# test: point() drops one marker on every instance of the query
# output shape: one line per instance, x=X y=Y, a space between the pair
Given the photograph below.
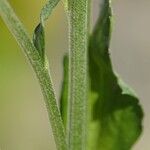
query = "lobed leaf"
x=115 y=113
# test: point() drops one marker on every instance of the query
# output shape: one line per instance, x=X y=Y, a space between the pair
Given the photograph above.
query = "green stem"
x=42 y=73
x=78 y=36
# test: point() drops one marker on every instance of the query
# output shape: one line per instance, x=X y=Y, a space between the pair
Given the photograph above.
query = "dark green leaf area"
x=39 y=40
x=115 y=113
x=64 y=91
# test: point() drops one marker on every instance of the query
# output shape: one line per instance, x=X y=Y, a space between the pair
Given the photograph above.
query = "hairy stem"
x=42 y=73
x=78 y=36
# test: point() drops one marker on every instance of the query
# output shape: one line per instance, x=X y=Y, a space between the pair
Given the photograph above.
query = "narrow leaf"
x=19 y=32
x=39 y=40
x=39 y=36
x=115 y=113
x=64 y=91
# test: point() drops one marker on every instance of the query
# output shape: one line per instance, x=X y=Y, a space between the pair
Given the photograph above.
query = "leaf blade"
x=19 y=32
x=39 y=40
x=112 y=103
x=64 y=92
x=39 y=34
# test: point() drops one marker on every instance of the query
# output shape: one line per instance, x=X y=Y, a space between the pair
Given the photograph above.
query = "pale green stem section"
x=15 y=26
x=78 y=35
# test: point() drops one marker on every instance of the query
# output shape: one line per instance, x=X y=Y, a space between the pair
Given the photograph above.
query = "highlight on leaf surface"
x=115 y=113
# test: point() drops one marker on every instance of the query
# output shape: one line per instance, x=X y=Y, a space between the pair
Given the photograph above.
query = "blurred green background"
x=23 y=118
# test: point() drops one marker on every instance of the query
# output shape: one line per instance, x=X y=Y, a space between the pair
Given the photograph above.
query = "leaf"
x=43 y=75
x=39 y=40
x=64 y=91
x=115 y=113
x=39 y=35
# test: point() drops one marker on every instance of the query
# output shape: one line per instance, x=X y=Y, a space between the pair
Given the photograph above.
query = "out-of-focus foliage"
x=115 y=113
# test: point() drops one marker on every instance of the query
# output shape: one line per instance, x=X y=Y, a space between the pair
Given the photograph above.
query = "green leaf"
x=64 y=91
x=43 y=75
x=39 y=40
x=115 y=113
x=39 y=35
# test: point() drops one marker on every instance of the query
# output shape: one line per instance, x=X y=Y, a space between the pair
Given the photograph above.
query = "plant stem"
x=42 y=73
x=78 y=39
